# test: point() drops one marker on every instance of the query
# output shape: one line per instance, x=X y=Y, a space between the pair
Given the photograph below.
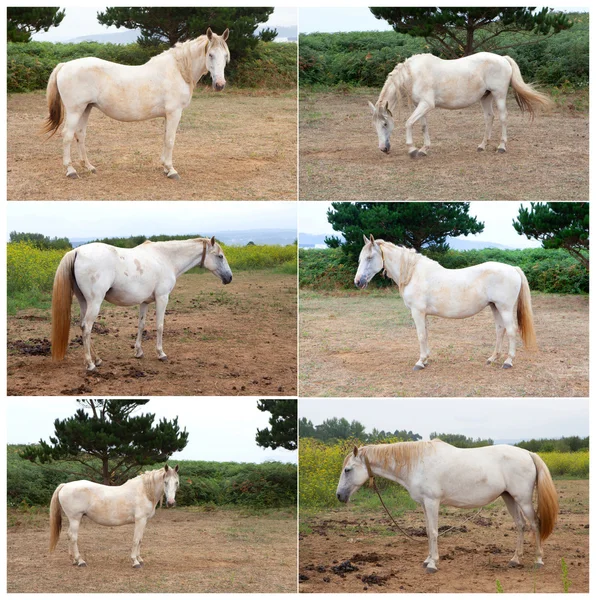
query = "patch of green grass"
x=26 y=299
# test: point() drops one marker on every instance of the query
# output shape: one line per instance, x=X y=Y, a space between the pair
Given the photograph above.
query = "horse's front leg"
x=431 y=513
x=160 y=308
x=422 y=108
x=421 y=329
x=172 y=120
x=137 y=561
x=142 y=314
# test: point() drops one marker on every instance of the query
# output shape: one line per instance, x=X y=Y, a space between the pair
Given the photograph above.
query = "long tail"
x=61 y=304
x=56 y=113
x=548 y=503
x=525 y=316
x=55 y=518
x=527 y=97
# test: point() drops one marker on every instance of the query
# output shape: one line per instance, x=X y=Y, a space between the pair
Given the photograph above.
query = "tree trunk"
x=105 y=469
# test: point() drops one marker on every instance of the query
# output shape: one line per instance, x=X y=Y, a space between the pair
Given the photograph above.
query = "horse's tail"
x=56 y=114
x=548 y=503
x=525 y=316
x=55 y=518
x=61 y=303
x=527 y=97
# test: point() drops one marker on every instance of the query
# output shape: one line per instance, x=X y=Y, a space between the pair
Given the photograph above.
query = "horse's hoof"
x=514 y=565
x=414 y=154
x=421 y=154
x=137 y=566
x=98 y=362
x=91 y=369
x=83 y=564
x=507 y=366
x=174 y=176
x=479 y=149
x=139 y=355
x=431 y=569
x=73 y=175
x=501 y=150
x=418 y=368
x=163 y=358
x=92 y=170
x=538 y=565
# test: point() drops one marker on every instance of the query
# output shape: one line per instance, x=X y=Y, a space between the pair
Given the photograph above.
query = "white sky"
x=504 y=418
x=497 y=218
x=220 y=429
x=82 y=21
x=331 y=20
x=107 y=219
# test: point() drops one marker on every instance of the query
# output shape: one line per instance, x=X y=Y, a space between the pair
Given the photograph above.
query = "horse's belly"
x=121 y=297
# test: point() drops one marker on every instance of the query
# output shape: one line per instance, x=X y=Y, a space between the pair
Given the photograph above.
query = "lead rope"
x=374 y=485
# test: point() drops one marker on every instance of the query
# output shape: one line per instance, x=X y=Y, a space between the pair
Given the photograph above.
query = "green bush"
x=547 y=270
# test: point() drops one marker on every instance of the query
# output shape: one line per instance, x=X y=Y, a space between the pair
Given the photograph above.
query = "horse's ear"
x=355 y=450
x=225 y=34
x=372 y=239
x=166 y=468
x=212 y=241
x=372 y=107
x=176 y=468
x=387 y=109
x=209 y=33
x=365 y=239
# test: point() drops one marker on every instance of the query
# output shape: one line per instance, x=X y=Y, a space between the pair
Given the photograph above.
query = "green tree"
x=283 y=432
x=111 y=443
x=22 y=21
x=415 y=225
x=306 y=428
x=456 y=32
x=461 y=441
x=339 y=429
x=178 y=24
x=43 y=242
x=558 y=225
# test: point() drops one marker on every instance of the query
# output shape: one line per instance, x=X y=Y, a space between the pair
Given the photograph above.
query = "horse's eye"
x=211 y=55
x=346 y=470
x=221 y=256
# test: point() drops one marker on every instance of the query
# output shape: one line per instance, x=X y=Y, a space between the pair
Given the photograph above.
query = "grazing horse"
x=435 y=473
x=125 y=277
x=162 y=87
x=427 y=288
x=431 y=82
x=132 y=502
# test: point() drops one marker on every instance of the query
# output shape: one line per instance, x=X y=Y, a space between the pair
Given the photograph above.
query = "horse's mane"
x=399 y=456
x=397 y=84
x=408 y=260
x=148 y=479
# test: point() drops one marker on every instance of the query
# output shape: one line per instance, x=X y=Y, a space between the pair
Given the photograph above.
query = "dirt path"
x=365 y=344
x=340 y=160
x=236 y=145
x=234 y=341
x=184 y=551
x=471 y=561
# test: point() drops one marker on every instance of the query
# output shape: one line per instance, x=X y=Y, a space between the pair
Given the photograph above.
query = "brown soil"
x=340 y=160
x=234 y=341
x=235 y=145
x=474 y=561
x=365 y=344
x=184 y=551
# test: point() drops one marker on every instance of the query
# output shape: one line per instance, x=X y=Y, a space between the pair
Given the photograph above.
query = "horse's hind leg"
x=422 y=108
x=172 y=120
x=509 y=323
x=487 y=107
x=500 y=334
x=528 y=511
x=73 y=116
x=518 y=517
x=80 y=135
x=142 y=314
x=502 y=108
x=73 y=536
x=83 y=309
x=87 y=326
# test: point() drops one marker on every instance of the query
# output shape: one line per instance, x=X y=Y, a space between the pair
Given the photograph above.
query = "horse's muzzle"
x=170 y=503
x=226 y=279
x=361 y=283
x=385 y=149
x=218 y=87
x=342 y=497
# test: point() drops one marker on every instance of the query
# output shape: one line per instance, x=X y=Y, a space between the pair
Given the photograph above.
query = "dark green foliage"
x=43 y=242
x=410 y=224
x=334 y=429
x=365 y=58
x=111 y=443
x=266 y=485
x=558 y=225
x=461 y=441
x=283 y=422
x=456 y=32
x=547 y=270
x=269 y=65
x=564 y=444
x=22 y=21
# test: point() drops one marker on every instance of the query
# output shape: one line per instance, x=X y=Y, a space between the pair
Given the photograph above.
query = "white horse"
x=125 y=277
x=132 y=502
x=436 y=473
x=162 y=87
x=431 y=82
x=429 y=289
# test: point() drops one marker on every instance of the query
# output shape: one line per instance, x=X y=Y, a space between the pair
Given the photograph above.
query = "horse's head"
x=370 y=262
x=217 y=57
x=171 y=482
x=384 y=124
x=353 y=476
x=216 y=262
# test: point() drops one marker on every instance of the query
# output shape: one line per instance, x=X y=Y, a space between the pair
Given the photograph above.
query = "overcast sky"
x=331 y=20
x=504 y=419
x=81 y=21
x=107 y=219
x=220 y=429
x=497 y=218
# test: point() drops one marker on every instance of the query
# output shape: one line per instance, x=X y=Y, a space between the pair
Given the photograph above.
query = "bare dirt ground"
x=471 y=561
x=184 y=551
x=238 y=340
x=364 y=344
x=340 y=159
x=233 y=145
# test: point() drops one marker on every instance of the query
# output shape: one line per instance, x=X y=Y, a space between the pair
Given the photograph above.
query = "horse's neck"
x=396 y=82
x=396 y=474
x=392 y=256
x=183 y=255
